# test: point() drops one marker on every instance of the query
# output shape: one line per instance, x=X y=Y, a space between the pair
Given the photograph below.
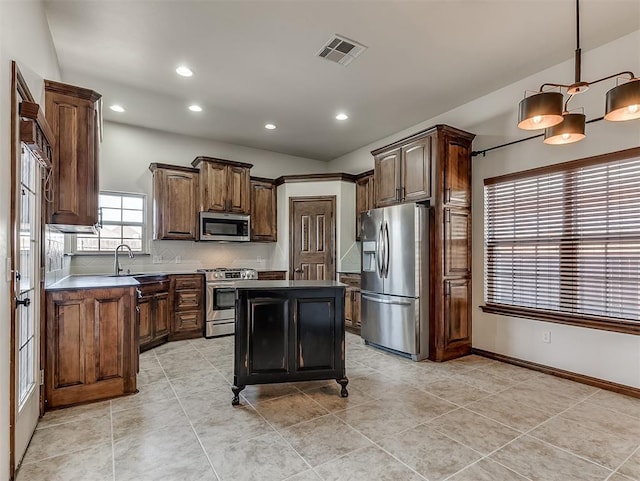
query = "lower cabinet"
x=152 y=314
x=187 y=306
x=457 y=304
x=91 y=346
x=352 y=302
x=272 y=275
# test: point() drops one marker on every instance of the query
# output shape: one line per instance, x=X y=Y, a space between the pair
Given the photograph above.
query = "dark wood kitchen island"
x=289 y=331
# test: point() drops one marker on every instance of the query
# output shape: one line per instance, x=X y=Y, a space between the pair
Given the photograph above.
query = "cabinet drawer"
x=188 y=300
x=272 y=275
x=352 y=280
x=188 y=321
x=188 y=282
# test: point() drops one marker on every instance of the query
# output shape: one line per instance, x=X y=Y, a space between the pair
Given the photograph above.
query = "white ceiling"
x=254 y=61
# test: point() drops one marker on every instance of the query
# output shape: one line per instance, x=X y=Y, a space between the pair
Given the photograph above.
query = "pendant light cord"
x=578 y=50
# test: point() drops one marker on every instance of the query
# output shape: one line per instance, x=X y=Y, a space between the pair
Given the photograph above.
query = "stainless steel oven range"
x=221 y=298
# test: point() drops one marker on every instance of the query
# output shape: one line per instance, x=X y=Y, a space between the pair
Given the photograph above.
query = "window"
x=562 y=243
x=122 y=218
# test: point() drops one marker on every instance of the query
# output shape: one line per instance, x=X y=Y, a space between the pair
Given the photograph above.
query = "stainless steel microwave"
x=218 y=226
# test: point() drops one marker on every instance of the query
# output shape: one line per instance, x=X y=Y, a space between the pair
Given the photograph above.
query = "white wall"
x=125 y=155
x=24 y=37
x=605 y=355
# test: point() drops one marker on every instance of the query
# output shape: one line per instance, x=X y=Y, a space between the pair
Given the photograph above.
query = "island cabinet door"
x=268 y=335
x=316 y=334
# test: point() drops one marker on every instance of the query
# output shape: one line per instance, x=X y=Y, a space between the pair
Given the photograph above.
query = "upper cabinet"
x=457 y=172
x=73 y=113
x=175 y=199
x=403 y=173
x=224 y=185
x=263 y=210
x=365 y=197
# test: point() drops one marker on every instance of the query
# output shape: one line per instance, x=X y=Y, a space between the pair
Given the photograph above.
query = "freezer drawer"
x=393 y=322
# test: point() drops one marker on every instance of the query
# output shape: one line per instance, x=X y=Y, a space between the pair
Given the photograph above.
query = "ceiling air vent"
x=341 y=50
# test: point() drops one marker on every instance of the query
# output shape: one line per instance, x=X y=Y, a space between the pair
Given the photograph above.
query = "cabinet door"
x=238 y=191
x=348 y=304
x=315 y=334
x=416 y=171
x=161 y=315
x=263 y=211
x=364 y=199
x=387 y=178
x=457 y=174
x=268 y=334
x=187 y=322
x=175 y=204
x=145 y=321
x=213 y=189
x=357 y=309
x=457 y=238
x=72 y=114
x=457 y=320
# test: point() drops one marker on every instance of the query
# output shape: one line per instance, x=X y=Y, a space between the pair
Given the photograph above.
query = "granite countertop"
x=287 y=284
x=92 y=282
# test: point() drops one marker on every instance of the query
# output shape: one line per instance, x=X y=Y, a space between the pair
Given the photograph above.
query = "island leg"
x=236 y=394
x=343 y=382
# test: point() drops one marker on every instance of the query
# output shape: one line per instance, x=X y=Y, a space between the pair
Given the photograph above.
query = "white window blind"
x=566 y=239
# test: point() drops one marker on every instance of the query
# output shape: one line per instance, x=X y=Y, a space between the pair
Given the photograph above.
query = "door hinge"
x=42 y=377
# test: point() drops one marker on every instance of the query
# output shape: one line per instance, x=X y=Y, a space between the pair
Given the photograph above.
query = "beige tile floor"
x=472 y=419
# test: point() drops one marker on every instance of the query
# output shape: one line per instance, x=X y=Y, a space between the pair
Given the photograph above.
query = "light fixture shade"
x=623 y=102
x=540 y=111
x=570 y=130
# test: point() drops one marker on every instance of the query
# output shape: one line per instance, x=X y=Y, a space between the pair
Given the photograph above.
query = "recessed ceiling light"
x=195 y=108
x=117 y=108
x=269 y=126
x=342 y=116
x=184 y=71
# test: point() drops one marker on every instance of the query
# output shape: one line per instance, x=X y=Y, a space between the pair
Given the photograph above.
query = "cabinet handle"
x=398 y=190
x=138 y=309
x=138 y=293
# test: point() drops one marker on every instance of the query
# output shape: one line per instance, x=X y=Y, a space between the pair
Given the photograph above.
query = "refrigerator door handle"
x=379 y=260
x=386 y=301
x=387 y=249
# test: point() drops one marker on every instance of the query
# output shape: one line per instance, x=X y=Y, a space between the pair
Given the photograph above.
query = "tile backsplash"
x=56 y=265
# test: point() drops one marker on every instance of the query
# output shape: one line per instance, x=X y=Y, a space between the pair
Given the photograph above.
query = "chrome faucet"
x=116 y=264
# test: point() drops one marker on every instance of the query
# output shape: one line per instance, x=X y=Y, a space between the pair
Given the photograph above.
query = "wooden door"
x=457 y=314
x=364 y=199
x=387 y=178
x=175 y=204
x=457 y=239
x=312 y=244
x=457 y=174
x=416 y=171
x=263 y=211
x=238 y=190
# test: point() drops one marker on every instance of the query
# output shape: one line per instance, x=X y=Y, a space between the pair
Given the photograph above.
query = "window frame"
x=600 y=322
x=144 y=236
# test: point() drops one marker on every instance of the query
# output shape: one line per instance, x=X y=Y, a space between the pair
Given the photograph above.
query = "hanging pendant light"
x=544 y=109
x=623 y=102
x=570 y=130
x=540 y=111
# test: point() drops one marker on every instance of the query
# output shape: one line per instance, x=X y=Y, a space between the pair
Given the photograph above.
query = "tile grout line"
x=637 y=450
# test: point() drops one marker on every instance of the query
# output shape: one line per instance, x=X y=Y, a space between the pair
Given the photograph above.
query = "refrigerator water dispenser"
x=369 y=256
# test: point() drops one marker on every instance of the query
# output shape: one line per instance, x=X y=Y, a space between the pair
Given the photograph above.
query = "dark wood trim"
x=339 y=176
x=32 y=111
x=292 y=200
x=72 y=90
x=418 y=135
x=563 y=166
x=156 y=165
x=554 y=371
x=362 y=175
x=195 y=162
x=591 y=322
x=262 y=179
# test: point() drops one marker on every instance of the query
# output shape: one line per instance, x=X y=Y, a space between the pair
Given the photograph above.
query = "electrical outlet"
x=546 y=337
x=157 y=259
x=178 y=259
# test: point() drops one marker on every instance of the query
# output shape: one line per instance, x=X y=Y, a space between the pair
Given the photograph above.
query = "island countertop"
x=301 y=284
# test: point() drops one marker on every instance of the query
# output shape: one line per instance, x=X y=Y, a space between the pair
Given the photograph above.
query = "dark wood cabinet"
x=289 y=334
x=74 y=117
x=175 y=209
x=224 y=185
x=264 y=226
x=435 y=165
x=365 y=196
x=153 y=312
x=187 y=306
x=272 y=275
x=352 y=301
x=403 y=174
x=91 y=347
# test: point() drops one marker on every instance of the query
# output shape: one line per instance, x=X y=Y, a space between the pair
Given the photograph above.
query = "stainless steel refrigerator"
x=395 y=279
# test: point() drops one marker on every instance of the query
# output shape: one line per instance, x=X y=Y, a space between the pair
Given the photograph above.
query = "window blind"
x=566 y=239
